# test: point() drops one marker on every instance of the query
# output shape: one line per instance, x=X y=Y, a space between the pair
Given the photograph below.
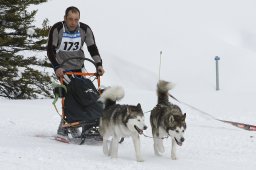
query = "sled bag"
x=80 y=103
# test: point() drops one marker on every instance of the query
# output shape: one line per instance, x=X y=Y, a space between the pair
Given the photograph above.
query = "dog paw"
x=157 y=154
x=161 y=149
x=140 y=160
x=174 y=157
x=106 y=151
x=113 y=157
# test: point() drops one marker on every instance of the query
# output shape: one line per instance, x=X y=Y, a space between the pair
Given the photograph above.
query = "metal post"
x=160 y=66
x=217 y=72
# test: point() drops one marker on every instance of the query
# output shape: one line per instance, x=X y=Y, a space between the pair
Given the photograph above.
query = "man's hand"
x=59 y=72
x=100 y=70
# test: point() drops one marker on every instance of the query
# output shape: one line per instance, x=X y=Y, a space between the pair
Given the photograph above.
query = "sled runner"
x=79 y=96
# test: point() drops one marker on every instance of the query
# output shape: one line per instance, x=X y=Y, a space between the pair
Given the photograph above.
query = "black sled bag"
x=80 y=102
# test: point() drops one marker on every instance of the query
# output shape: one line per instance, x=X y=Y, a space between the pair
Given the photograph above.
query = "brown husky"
x=166 y=119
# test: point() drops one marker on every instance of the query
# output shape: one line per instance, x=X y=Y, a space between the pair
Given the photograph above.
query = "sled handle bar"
x=70 y=73
x=82 y=73
x=80 y=58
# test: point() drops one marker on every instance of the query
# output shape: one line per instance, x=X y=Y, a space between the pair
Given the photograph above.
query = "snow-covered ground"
x=130 y=36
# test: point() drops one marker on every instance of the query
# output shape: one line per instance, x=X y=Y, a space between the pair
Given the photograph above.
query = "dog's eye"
x=138 y=120
x=177 y=131
x=183 y=130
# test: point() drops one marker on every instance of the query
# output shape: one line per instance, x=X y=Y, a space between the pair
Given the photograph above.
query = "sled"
x=60 y=90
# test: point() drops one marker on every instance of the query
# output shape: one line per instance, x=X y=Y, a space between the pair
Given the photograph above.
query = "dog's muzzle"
x=139 y=130
x=180 y=142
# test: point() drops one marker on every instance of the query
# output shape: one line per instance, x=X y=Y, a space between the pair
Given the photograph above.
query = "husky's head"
x=135 y=119
x=177 y=127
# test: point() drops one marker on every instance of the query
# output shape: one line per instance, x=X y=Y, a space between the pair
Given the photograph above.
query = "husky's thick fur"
x=120 y=121
x=166 y=119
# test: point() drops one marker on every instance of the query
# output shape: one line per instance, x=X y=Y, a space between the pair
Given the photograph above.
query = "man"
x=66 y=39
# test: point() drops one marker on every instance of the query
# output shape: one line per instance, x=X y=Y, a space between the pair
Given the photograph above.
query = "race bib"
x=70 y=42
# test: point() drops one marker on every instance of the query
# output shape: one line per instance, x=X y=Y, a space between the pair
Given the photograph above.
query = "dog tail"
x=162 y=91
x=111 y=95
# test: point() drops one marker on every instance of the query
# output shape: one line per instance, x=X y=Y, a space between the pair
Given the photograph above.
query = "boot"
x=62 y=131
x=92 y=133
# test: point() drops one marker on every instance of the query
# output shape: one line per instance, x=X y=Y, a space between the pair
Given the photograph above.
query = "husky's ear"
x=138 y=105
x=184 y=117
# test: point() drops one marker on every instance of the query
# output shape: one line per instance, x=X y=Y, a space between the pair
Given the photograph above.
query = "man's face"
x=72 y=20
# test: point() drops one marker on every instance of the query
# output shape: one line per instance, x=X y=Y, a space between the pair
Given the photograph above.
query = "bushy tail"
x=111 y=95
x=162 y=91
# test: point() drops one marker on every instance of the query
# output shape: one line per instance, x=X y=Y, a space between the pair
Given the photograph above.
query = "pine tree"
x=22 y=76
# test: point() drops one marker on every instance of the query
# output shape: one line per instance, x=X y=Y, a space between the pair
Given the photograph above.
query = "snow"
x=130 y=36
x=30 y=31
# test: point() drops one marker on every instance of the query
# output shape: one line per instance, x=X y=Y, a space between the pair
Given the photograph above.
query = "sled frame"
x=84 y=74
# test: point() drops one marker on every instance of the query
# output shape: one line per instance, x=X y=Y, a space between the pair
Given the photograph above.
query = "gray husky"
x=120 y=121
x=166 y=119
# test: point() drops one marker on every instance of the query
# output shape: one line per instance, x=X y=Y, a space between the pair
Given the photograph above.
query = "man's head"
x=71 y=18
